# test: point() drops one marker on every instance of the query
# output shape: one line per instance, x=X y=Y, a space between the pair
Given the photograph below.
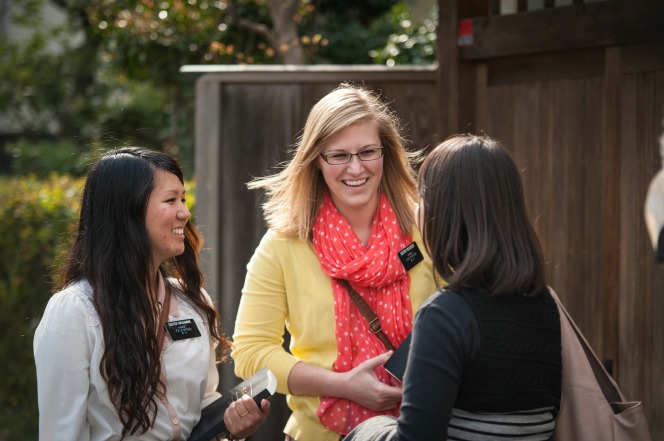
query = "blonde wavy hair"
x=294 y=194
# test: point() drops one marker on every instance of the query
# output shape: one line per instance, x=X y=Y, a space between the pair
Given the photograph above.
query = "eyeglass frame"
x=350 y=157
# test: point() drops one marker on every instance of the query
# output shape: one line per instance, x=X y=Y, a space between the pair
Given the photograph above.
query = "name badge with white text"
x=410 y=256
x=182 y=329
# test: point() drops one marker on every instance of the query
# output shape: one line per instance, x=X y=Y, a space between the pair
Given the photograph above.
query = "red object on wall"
x=465 y=37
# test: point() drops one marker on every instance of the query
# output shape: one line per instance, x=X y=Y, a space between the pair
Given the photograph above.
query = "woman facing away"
x=106 y=367
x=342 y=208
x=485 y=357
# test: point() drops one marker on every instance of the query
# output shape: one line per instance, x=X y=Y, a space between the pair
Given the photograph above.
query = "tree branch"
x=252 y=26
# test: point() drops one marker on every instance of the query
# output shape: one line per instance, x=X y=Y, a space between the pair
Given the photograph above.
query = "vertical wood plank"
x=526 y=146
x=494 y=7
x=259 y=124
x=592 y=205
x=482 y=98
x=610 y=245
x=206 y=163
x=448 y=75
x=522 y=5
x=466 y=105
x=413 y=103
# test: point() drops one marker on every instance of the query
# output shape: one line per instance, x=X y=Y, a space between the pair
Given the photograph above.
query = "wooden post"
x=448 y=70
x=611 y=233
x=206 y=163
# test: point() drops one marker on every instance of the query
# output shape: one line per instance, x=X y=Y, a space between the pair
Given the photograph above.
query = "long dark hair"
x=475 y=223
x=111 y=250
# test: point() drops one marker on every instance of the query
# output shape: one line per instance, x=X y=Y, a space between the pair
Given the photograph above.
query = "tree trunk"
x=287 y=39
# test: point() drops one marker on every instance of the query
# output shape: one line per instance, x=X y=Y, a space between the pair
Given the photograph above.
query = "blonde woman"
x=342 y=209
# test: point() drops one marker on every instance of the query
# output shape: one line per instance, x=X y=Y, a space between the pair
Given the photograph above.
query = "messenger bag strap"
x=163 y=315
x=368 y=313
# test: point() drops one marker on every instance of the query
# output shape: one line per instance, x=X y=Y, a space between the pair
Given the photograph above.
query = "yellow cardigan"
x=285 y=285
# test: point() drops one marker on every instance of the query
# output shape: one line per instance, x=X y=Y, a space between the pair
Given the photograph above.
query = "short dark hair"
x=475 y=224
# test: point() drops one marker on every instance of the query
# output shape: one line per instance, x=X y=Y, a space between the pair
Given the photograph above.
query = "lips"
x=355 y=183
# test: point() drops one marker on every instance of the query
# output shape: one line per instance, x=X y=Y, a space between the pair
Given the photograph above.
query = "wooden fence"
x=247 y=119
x=575 y=92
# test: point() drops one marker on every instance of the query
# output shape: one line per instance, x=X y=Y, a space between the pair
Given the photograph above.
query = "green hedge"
x=37 y=218
x=42 y=157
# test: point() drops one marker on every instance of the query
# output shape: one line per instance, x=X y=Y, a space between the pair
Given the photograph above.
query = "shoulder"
x=416 y=234
x=187 y=305
x=276 y=247
x=275 y=239
x=416 y=237
x=448 y=320
x=73 y=303
x=448 y=308
x=448 y=300
x=426 y=268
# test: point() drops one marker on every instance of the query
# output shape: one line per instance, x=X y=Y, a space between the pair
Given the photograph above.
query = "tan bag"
x=592 y=408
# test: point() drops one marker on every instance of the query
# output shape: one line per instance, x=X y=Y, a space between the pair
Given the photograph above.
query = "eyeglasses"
x=344 y=158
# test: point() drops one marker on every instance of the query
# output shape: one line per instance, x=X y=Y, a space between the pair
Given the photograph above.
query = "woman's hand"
x=243 y=416
x=360 y=385
x=364 y=387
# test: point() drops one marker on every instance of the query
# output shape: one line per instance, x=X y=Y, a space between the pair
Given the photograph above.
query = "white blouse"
x=73 y=398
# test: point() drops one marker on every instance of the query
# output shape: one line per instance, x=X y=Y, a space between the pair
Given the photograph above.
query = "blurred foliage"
x=64 y=82
x=352 y=28
x=38 y=92
x=39 y=218
x=110 y=71
x=41 y=158
x=36 y=216
x=412 y=43
x=158 y=37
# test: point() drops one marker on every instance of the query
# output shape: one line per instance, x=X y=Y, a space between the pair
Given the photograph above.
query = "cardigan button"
x=176 y=421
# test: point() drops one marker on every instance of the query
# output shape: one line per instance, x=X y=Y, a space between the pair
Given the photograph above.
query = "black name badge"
x=182 y=329
x=410 y=256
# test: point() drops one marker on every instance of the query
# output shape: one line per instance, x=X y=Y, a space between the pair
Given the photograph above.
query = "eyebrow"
x=175 y=191
x=368 y=146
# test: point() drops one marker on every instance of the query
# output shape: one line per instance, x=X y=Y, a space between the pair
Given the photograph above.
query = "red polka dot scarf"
x=378 y=276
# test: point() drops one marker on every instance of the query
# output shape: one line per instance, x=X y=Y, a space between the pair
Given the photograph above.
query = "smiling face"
x=354 y=186
x=166 y=217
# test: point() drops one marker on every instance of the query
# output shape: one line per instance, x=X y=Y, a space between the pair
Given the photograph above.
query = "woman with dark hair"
x=485 y=357
x=107 y=369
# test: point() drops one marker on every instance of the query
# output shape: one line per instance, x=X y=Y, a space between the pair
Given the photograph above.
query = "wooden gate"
x=577 y=94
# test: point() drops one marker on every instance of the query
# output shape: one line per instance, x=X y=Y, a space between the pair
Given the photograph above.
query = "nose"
x=183 y=212
x=355 y=163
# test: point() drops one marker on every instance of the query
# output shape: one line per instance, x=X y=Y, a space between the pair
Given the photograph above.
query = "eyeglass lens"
x=345 y=158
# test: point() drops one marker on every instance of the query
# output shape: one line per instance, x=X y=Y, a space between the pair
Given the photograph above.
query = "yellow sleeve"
x=259 y=326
